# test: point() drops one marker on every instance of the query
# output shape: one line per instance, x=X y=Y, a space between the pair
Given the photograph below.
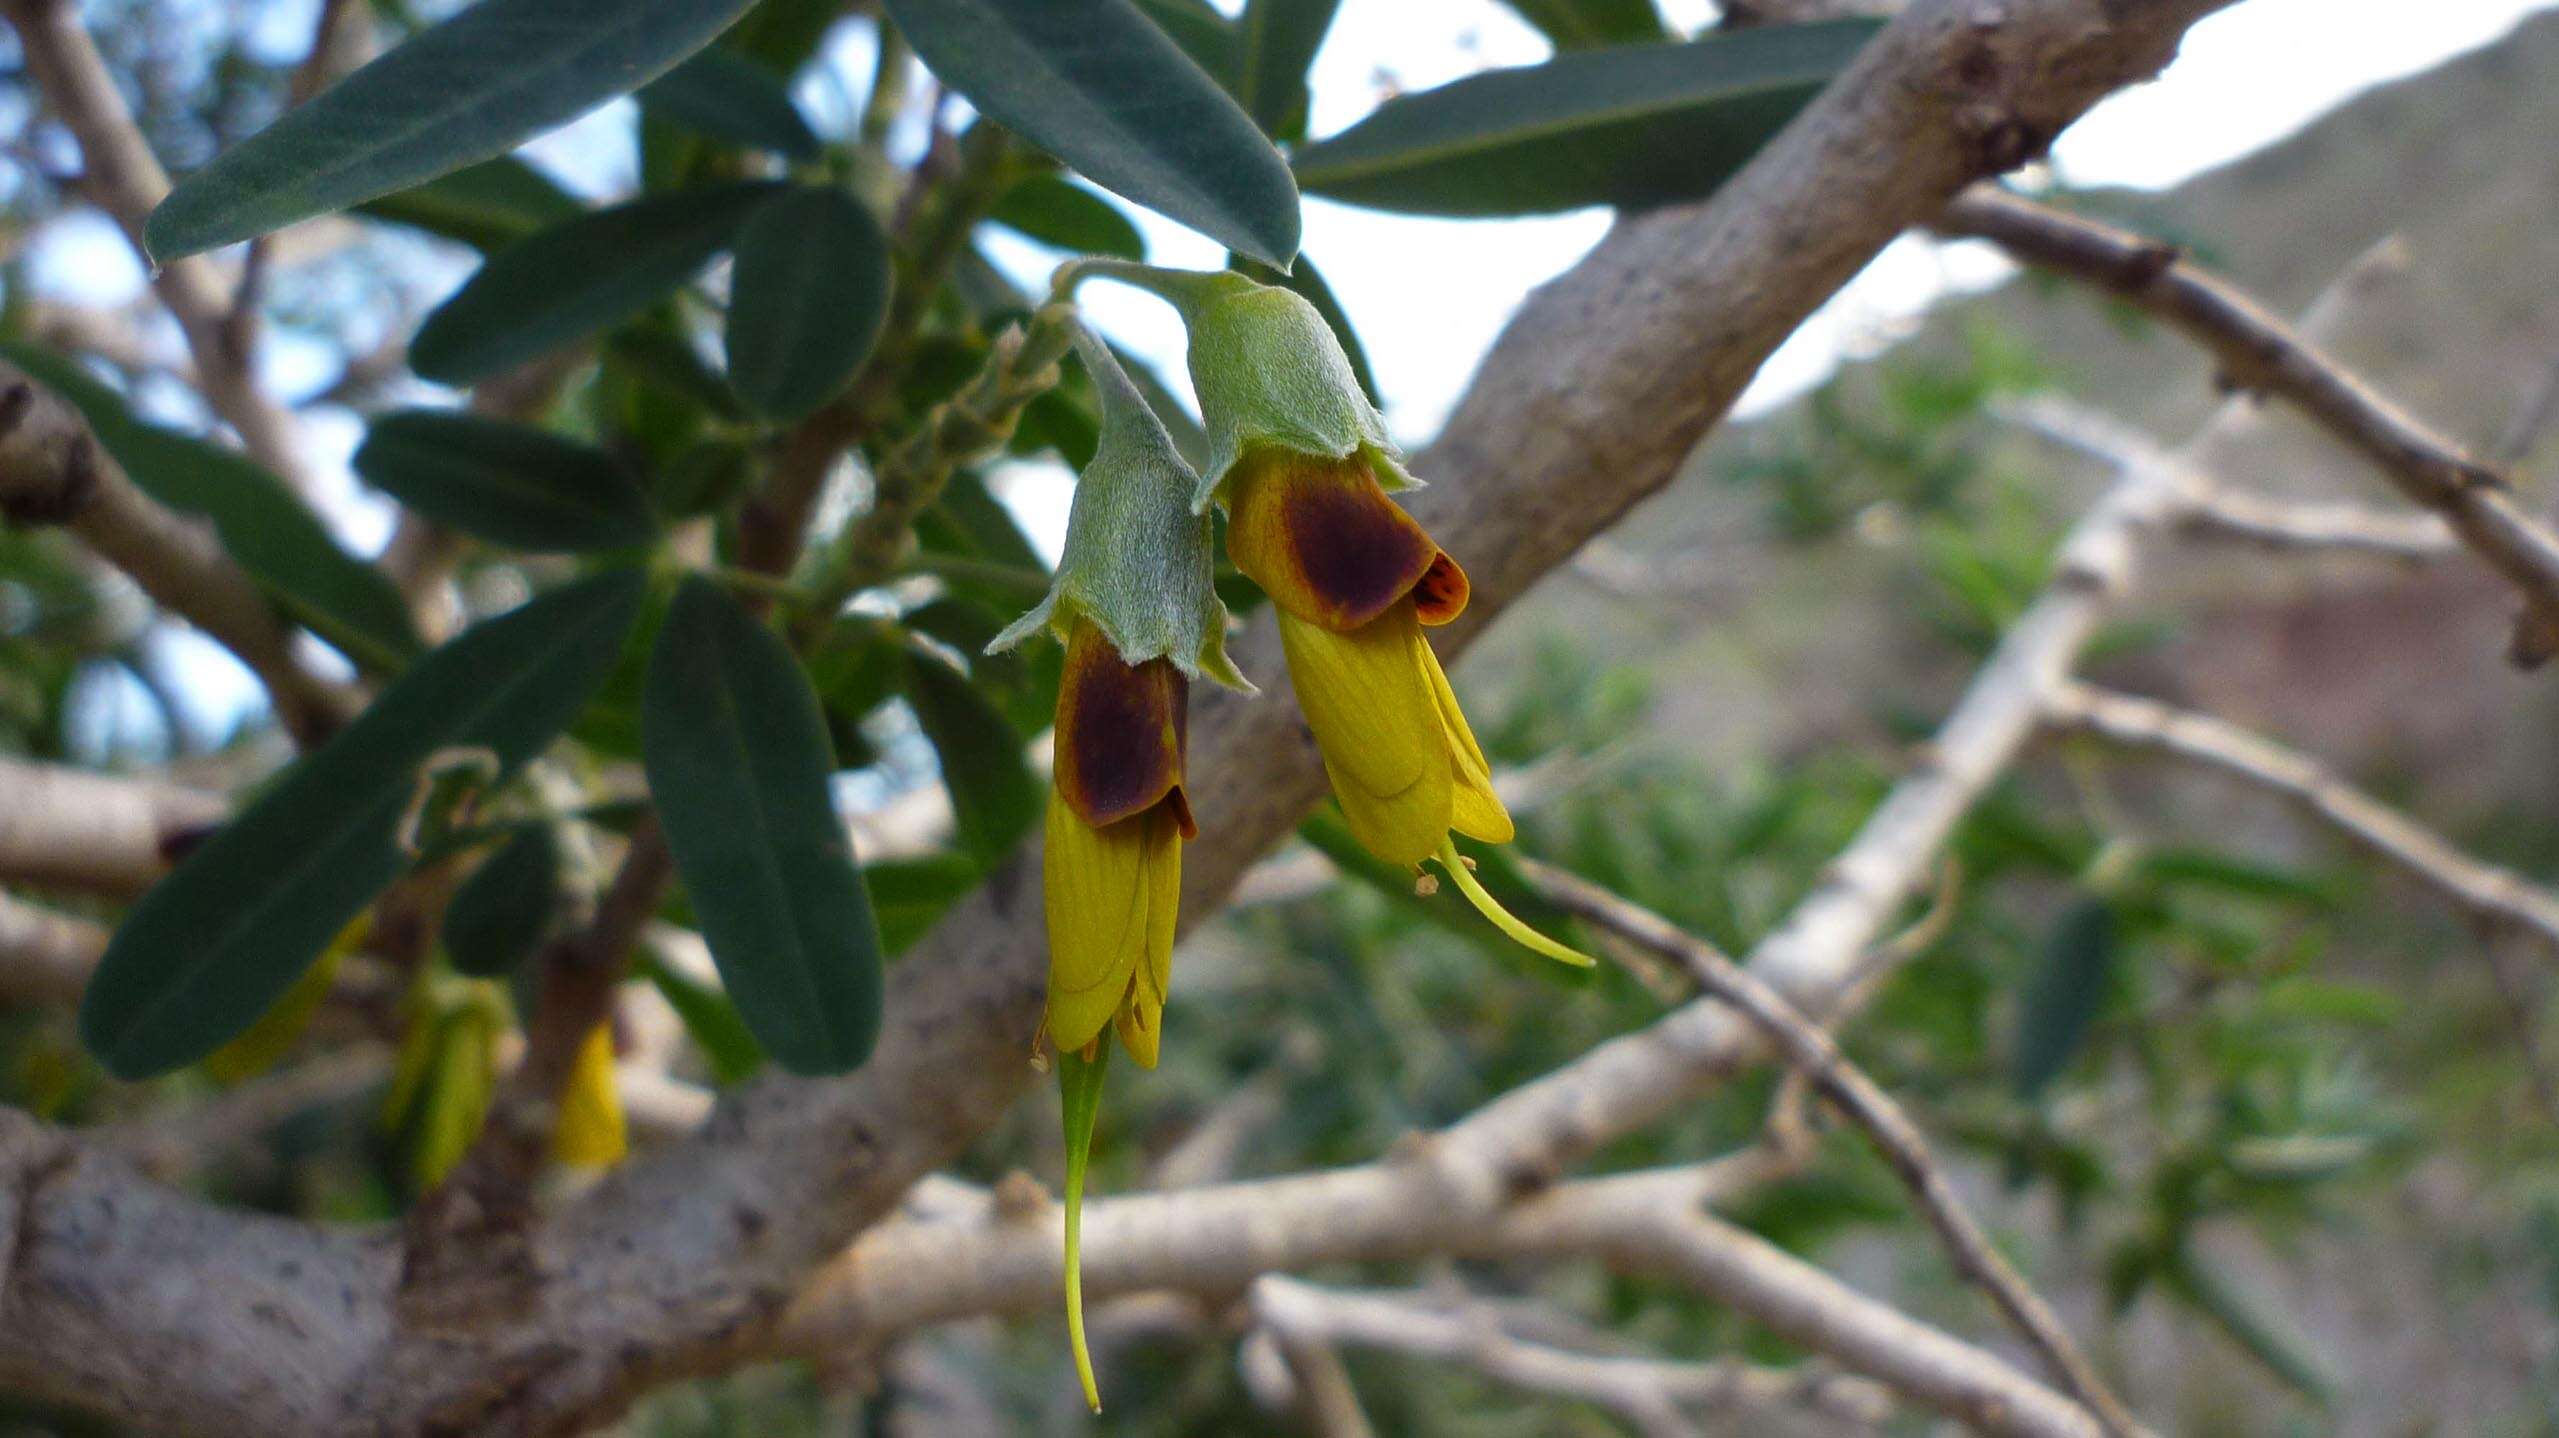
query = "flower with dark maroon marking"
x=1303 y=463
x=1140 y=619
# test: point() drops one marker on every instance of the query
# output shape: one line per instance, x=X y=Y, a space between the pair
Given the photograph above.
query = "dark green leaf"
x=736 y=754
x=1098 y=86
x=726 y=96
x=220 y=939
x=2256 y=1321
x=1279 y=40
x=806 y=298
x=1583 y=24
x=511 y=484
x=1066 y=216
x=1205 y=35
x=710 y=1018
x=467 y=90
x=2062 y=1002
x=576 y=278
x=1309 y=284
x=911 y=895
x=654 y=353
x=2235 y=874
x=783 y=35
x=1643 y=125
x=262 y=525
x=501 y=913
x=487 y=206
x=993 y=792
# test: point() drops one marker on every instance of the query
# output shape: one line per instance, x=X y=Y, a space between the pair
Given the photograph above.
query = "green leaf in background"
x=229 y=930
x=503 y=911
x=487 y=206
x=1309 y=284
x=726 y=96
x=1202 y=33
x=911 y=895
x=1584 y=24
x=710 y=1019
x=510 y=484
x=262 y=525
x=576 y=278
x=994 y=795
x=1066 y=216
x=1094 y=83
x=2062 y=1002
x=783 y=35
x=1642 y=125
x=470 y=89
x=736 y=753
x=2256 y=1321
x=806 y=298
x=1279 y=39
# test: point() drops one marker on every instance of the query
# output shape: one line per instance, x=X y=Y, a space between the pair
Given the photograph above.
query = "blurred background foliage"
x=2255 y=1113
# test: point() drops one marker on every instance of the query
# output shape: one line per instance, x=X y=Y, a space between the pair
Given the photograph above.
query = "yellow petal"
x=1368 y=700
x=1140 y=1017
x=1475 y=810
x=1095 y=883
x=590 y=1134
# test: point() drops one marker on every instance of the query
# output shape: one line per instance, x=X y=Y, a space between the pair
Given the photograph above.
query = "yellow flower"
x=591 y=1133
x=1355 y=579
x=1112 y=882
x=1112 y=874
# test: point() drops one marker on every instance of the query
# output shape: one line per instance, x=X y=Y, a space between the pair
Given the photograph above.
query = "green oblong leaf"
x=576 y=278
x=501 y=913
x=994 y=795
x=806 y=298
x=710 y=1019
x=487 y=206
x=1279 y=39
x=467 y=90
x=1094 y=83
x=229 y=930
x=726 y=96
x=263 y=525
x=1583 y=24
x=735 y=749
x=1639 y=125
x=1066 y=216
x=2062 y=1003
x=511 y=484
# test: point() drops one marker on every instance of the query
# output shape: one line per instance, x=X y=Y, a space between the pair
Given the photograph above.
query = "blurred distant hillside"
x=1749 y=590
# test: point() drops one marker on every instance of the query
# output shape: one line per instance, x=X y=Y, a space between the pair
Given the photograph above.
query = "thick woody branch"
x=54 y=471
x=1655 y=1396
x=127 y=181
x=2260 y=353
x=63 y=828
x=1811 y=1052
x=2499 y=899
x=1596 y=393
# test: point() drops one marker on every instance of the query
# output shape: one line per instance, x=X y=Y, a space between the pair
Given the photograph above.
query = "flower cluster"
x=1302 y=466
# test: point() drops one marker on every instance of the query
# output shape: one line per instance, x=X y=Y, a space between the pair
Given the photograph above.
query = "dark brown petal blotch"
x=1119 y=730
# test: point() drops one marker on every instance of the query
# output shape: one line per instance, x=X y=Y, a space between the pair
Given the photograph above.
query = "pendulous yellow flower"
x=1113 y=867
x=1355 y=579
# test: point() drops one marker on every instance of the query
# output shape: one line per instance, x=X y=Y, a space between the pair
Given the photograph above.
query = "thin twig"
x=2498 y=898
x=126 y=180
x=1811 y=1052
x=1651 y=1394
x=2259 y=353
